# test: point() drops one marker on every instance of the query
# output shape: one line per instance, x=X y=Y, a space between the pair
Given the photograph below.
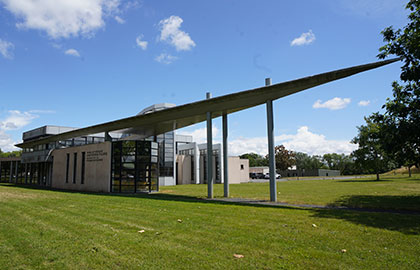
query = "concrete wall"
x=166 y=181
x=323 y=172
x=238 y=170
x=184 y=169
x=97 y=167
x=316 y=172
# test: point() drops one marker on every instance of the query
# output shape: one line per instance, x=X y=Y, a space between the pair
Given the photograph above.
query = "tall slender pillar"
x=26 y=173
x=0 y=173
x=225 y=156
x=271 y=156
x=11 y=172
x=209 y=153
x=16 y=172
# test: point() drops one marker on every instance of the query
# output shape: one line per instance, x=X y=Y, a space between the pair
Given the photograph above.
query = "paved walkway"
x=311 y=206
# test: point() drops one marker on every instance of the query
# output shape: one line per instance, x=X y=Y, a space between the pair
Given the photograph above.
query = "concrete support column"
x=30 y=173
x=225 y=156
x=11 y=172
x=197 y=167
x=26 y=173
x=209 y=153
x=271 y=155
x=16 y=171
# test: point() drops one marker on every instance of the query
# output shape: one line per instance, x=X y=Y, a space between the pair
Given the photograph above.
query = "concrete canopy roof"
x=159 y=122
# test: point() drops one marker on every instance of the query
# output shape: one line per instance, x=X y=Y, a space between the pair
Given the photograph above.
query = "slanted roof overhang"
x=184 y=115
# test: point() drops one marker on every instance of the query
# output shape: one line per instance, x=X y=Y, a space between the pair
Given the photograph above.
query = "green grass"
x=396 y=193
x=43 y=229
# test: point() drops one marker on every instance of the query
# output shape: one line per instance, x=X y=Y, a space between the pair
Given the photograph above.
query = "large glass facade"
x=166 y=153
x=5 y=171
x=216 y=165
x=134 y=166
x=29 y=173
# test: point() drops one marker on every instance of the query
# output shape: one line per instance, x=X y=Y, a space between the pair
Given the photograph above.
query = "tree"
x=307 y=162
x=10 y=154
x=255 y=160
x=284 y=158
x=400 y=122
x=370 y=154
x=344 y=163
x=332 y=160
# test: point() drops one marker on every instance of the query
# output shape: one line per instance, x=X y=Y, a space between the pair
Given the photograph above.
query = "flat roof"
x=159 y=122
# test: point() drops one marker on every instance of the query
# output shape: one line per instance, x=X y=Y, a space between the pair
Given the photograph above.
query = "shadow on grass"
x=407 y=224
x=371 y=211
x=157 y=196
x=363 y=181
x=408 y=202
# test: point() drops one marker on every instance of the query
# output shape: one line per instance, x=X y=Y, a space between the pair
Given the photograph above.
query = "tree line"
x=10 y=154
x=285 y=159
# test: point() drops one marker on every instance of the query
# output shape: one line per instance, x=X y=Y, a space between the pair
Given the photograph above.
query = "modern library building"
x=116 y=162
x=142 y=152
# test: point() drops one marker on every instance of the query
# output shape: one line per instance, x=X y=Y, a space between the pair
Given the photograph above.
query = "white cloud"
x=141 y=43
x=72 y=52
x=171 y=33
x=303 y=141
x=6 y=49
x=304 y=39
x=6 y=142
x=62 y=18
x=165 y=58
x=17 y=119
x=200 y=135
x=13 y=121
x=364 y=103
x=332 y=104
x=119 y=20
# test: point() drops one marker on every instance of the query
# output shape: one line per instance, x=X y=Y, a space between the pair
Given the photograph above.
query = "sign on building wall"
x=95 y=156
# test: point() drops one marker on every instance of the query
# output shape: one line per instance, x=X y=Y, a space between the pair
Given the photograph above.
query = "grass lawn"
x=43 y=229
x=391 y=192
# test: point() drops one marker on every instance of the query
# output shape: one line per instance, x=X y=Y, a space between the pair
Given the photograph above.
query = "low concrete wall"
x=97 y=167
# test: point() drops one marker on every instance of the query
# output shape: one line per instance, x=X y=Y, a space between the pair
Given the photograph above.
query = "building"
x=11 y=170
x=191 y=164
x=134 y=157
x=116 y=162
x=259 y=170
x=293 y=172
x=303 y=173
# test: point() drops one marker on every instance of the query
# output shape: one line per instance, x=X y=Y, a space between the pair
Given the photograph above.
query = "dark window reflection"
x=134 y=166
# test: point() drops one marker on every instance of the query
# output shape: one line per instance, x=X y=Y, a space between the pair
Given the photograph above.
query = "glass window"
x=74 y=168
x=82 y=177
x=67 y=167
x=131 y=168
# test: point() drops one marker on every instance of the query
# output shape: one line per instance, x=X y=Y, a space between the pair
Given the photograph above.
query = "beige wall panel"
x=184 y=169
x=238 y=170
x=97 y=167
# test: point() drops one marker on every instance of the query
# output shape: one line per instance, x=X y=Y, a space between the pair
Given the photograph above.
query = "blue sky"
x=83 y=62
